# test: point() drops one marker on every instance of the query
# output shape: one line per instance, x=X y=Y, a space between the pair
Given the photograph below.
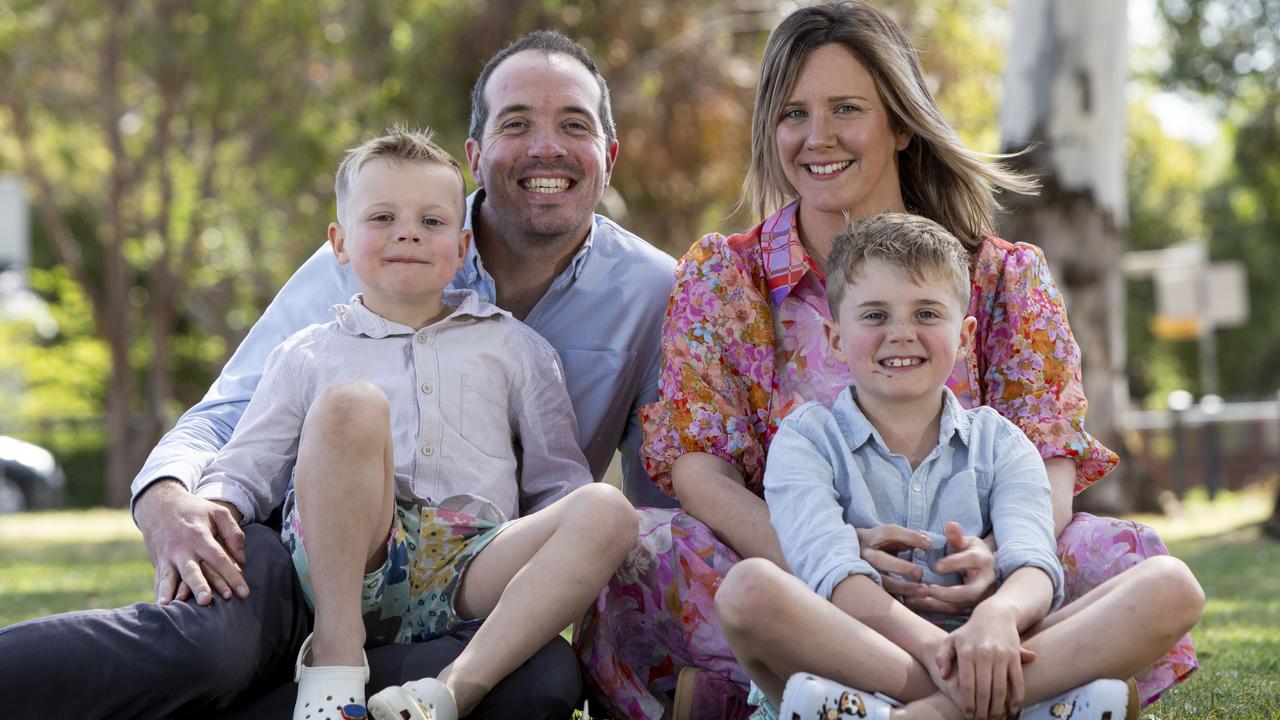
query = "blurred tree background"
x=1228 y=51
x=179 y=158
x=1224 y=192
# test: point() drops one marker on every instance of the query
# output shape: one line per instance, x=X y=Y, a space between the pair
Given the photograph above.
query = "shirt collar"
x=955 y=419
x=785 y=260
x=858 y=430
x=473 y=267
x=357 y=319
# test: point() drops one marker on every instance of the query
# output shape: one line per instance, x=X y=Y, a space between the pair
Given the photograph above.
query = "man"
x=541 y=148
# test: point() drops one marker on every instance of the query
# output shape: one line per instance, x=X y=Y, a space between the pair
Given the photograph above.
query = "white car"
x=29 y=476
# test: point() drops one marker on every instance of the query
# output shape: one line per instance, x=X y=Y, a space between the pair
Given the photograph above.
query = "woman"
x=844 y=126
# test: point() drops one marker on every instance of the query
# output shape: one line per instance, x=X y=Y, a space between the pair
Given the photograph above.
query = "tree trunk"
x=1064 y=99
x=118 y=328
x=1272 y=528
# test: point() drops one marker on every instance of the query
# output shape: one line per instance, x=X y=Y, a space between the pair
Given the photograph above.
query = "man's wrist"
x=153 y=490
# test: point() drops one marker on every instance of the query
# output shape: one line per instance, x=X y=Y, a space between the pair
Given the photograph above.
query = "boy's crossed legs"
x=777 y=626
x=529 y=582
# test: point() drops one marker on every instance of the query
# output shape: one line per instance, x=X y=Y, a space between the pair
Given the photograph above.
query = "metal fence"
x=1215 y=444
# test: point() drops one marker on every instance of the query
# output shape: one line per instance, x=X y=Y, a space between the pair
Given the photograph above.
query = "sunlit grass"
x=1238 y=638
x=70 y=560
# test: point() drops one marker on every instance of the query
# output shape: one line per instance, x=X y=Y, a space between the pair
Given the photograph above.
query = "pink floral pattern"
x=1095 y=549
x=743 y=345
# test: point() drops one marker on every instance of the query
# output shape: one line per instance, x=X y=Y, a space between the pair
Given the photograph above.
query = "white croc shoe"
x=329 y=692
x=810 y=697
x=425 y=699
x=1098 y=700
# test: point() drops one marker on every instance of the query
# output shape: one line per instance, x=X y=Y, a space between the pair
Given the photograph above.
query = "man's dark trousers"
x=228 y=659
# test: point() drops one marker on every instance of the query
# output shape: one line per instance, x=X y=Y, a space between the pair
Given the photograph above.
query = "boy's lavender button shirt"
x=830 y=472
x=603 y=315
x=473 y=397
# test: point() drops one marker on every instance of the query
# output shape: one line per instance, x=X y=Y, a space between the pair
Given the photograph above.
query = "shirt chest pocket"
x=484 y=421
x=966 y=499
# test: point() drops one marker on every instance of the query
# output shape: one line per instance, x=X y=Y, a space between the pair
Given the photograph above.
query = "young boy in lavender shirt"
x=897 y=448
x=417 y=428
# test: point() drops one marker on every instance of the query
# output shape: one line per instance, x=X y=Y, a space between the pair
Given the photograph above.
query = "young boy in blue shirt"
x=897 y=448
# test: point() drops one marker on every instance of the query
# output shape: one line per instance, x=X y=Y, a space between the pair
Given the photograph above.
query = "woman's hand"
x=969 y=556
x=879 y=545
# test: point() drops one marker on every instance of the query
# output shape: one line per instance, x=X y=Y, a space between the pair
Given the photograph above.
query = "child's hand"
x=970 y=556
x=988 y=657
x=942 y=670
x=878 y=545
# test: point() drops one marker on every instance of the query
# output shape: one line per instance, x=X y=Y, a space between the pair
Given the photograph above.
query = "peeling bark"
x=1064 y=100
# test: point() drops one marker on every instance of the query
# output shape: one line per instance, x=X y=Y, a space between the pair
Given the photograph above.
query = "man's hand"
x=878 y=546
x=192 y=542
x=973 y=558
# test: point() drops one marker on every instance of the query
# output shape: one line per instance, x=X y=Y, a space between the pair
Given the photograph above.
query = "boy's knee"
x=350 y=408
x=609 y=512
x=1169 y=579
x=748 y=592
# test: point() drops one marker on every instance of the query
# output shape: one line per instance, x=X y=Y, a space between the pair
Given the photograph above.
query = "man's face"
x=543 y=159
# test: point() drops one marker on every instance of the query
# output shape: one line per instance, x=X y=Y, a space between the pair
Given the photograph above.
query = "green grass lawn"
x=72 y=560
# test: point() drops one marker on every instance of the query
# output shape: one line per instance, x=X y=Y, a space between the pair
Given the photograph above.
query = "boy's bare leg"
x=344 y=490
x=533 y=580
x=777 y=626
x=1115 y=630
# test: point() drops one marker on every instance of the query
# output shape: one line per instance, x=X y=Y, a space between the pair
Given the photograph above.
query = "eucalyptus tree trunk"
x=1064 y=105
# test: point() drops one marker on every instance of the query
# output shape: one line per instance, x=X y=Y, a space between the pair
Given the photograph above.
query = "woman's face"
x=834 y=140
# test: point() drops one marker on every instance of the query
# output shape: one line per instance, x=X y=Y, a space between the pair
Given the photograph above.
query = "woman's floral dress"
x=743 y=344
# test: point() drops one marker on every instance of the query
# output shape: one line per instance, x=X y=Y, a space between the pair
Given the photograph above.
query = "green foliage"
x=232 y=115
x=1229 y=52
x=1166 y=182
x=62 y=377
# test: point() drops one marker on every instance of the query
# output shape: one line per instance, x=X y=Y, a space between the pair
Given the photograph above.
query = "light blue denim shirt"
x=603 y=315
x=829 y=472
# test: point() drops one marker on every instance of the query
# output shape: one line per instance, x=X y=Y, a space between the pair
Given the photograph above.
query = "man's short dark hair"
x=546 y=41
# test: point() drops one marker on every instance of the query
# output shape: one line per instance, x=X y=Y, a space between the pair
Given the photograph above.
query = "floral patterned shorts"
x=410 y=598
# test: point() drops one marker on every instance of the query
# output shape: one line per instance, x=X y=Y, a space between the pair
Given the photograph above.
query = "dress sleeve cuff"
x=675 y=427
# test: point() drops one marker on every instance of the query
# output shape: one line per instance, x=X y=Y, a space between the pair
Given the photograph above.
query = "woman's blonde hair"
x=939 y=177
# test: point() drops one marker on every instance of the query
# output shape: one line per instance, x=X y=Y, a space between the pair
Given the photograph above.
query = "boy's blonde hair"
x=399 y=143
x=921 y=248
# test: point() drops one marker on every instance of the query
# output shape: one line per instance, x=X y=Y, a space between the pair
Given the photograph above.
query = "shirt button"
x=916 y=487
x=428 y=451
x=422 y=337
x=426 y=388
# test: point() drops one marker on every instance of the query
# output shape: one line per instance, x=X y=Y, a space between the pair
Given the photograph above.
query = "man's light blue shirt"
x=603 y=315
x=829 y=472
